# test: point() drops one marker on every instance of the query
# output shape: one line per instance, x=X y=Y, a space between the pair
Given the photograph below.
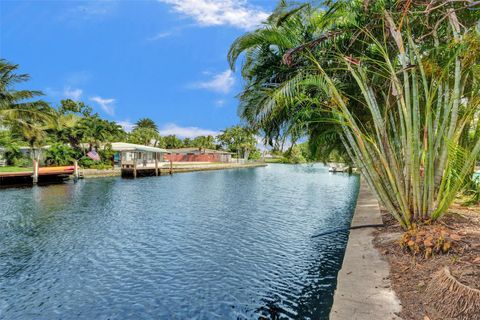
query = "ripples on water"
x=231 y=244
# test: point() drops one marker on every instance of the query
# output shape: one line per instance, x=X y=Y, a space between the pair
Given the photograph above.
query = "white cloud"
x=91 y=9
x=236 y=13
x=222 y=82
x=185 y=132
x=159 y=36
x=220 y=103
x=67 y=93
x=126 y=125
x=78 y=78
x=74 y=94
x=107 y=105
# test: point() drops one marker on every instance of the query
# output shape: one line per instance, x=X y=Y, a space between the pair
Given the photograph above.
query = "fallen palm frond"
x=450 y=299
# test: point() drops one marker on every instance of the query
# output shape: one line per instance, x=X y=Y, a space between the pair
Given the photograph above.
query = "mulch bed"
x=410 y=274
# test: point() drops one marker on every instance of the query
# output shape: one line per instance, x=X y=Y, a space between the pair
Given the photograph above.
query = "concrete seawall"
x=364 y=290
x=94 y=173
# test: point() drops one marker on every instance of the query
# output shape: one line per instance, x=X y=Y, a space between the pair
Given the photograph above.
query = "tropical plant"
x=17 y=105
x=96 y=131
x=255 y=155
x=294 y=155
x=172 y=142
x=398 y=95
x=411 y=156
x=239 y=140
x=146 y=123
x=11 y=147
x=146 y=136
x=205 y=142
x=60 y=154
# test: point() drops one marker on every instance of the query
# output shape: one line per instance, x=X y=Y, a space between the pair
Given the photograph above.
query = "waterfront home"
x=198 y=155
x=136 y=155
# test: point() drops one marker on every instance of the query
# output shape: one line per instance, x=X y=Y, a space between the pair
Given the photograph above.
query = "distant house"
x=198 y=155
x=126 y=154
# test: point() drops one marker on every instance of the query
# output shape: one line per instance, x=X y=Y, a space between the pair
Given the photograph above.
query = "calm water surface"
x=231 y=244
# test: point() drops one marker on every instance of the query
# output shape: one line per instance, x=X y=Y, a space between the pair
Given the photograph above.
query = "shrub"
x=59 y=154
x=472 y=192
x=255 y=155
x=294 y=155
x=22 y=162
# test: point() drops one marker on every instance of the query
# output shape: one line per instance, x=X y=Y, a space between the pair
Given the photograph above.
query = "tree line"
x=72 y=129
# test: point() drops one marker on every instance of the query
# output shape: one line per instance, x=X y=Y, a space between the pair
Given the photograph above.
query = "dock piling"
x=35 y=171
x=135 y=165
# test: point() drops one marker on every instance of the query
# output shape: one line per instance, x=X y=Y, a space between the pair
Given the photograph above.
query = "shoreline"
x=26 y=179
x=101 y=173
x=364 y=290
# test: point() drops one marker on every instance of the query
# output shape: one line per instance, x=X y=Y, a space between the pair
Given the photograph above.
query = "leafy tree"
x=96 y=131
x=172 y=142
x=206 y=142
x=11 y=146
x=146 y=136
x=187 y=142
x=255 y=155
x=79 y=108
x=294 y=155
x=239 y=140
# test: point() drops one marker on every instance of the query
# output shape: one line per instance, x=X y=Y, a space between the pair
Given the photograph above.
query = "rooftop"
x=123 y=146
x=204 y=150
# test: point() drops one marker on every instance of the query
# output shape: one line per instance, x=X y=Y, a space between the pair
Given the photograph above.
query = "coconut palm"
x=16 y=105
x=267 y=71
x=146 y=123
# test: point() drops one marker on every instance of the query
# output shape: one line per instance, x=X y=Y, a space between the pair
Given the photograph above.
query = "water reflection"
x=231 y=244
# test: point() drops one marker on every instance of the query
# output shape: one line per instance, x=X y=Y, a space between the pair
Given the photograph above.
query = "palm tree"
x=146 y=123
x=16 y=105
x=398 y=101
x=268 y=75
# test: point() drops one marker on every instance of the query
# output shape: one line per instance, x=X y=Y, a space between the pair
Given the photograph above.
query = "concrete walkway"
x=363 y=287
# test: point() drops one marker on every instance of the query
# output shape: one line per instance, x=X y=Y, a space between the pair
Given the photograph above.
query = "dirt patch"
x=410 y=275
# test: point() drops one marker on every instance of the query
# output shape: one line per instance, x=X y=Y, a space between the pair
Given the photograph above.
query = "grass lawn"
x=273 y=160
x=14 y=169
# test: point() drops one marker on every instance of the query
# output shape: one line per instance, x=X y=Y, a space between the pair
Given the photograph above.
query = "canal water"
x=231 y=244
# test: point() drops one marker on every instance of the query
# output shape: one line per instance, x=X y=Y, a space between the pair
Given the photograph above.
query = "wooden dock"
x=44 y=174
x=131 y=172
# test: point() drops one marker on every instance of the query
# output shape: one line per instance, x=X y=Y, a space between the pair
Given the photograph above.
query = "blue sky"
x=162 y=59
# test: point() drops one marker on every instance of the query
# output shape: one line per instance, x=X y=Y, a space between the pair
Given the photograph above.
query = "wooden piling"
x=171 y=167
x=156 y=164
x=135 y=165
x=75 y=169
x=35 y=171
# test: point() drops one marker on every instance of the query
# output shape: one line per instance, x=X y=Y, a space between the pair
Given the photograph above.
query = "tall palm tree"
x=16 y=105
x=268 y=74
x=146 y=123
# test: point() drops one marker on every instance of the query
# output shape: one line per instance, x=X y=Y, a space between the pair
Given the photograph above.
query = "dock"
x=181 y=167
x=44 y=174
